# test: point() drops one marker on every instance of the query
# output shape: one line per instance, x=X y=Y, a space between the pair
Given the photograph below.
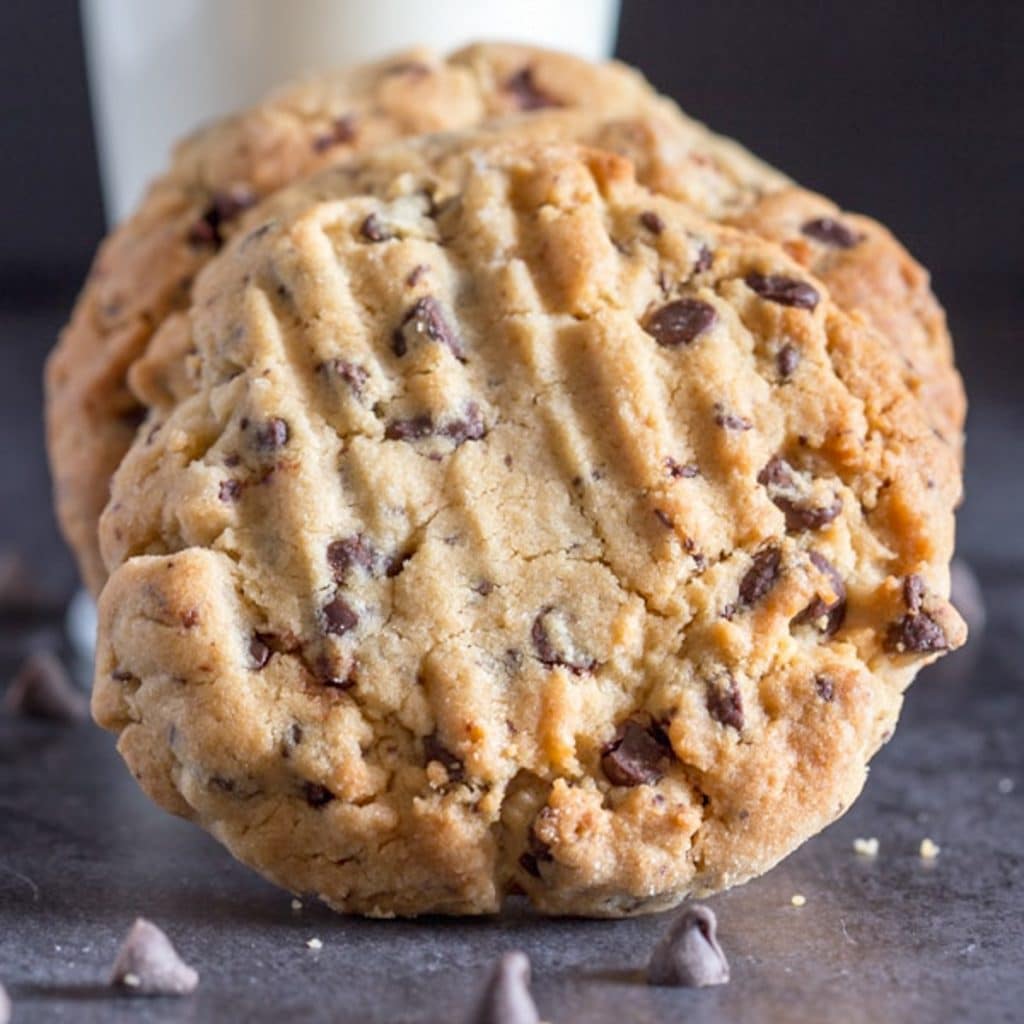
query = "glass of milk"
x=157 y=70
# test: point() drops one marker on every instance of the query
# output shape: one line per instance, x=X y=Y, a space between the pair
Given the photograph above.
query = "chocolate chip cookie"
x=126 y=349
x=523 y=532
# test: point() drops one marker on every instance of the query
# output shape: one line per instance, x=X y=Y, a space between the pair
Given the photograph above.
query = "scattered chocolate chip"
x=528 y=95
x=316 y=795
x=689 y=955
x=725 y=702
x=703 y=260
x=731 y=420
x=230 y=490
x=272 y=435
x=827 y=615
x=470 y=427
x=426 y=319
x=825 y=687
x=434 y=750
x=42 y=688
x=913 y=592
x=414 y=428
x=373 y=229
x=483 y=588
x=761 y=576
x=787 y=359
x=148 y=965
x=259 y=650
x=681 y=470
x=786 y=291
x=636 y=754
x=554 y=644
x=342 y=130
x=916 y=633
x=830 y=231
x=190 y=618
x=652 y=221
x=339 y=616
x=351 y=553
x=506 y=997
x=680 y=322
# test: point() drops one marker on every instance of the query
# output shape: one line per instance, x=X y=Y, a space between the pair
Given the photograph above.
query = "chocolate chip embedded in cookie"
x=570 y=596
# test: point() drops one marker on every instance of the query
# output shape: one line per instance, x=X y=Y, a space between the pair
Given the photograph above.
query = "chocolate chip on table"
x=426 y=319
x=652 y=221
x=680 y=322
x=435 y=750
x=689 y=954
x=272 y=435
x=259 y=650
x=637 y=754
x=506 y=995
x=553 y=642
x=317 y=796
x=786 y=291
x=830 y=231
x=528 y=95
x=730 y=420
x=761 y=576
x=725 y=702
x=339 y=616
x=342 y=131
x=42 y=688
x=349 y=553
x=373 y=229
x=787 y=359
x=148 y=965
x=827 y=615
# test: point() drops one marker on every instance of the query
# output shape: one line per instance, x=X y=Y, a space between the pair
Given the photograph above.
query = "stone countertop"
x=892 y=939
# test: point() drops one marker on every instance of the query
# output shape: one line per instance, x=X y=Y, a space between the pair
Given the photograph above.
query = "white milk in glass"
x=159 y=68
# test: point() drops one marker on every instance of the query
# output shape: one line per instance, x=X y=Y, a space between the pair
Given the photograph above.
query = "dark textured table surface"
x=892 y=939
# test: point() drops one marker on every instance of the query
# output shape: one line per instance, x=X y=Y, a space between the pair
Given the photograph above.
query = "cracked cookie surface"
x=524 y=532
x=126 y=349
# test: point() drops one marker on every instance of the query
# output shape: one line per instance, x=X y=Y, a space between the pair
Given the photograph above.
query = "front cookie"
x=526 y=532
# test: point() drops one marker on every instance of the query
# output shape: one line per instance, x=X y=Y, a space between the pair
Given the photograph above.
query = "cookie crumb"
x=1005 y=785
x=296 y=904
x=148 y=965
x=689 y=955
x=314 y=944
x=866 y=847
x=798 y=899
x=929 y=849
x=506 y=996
